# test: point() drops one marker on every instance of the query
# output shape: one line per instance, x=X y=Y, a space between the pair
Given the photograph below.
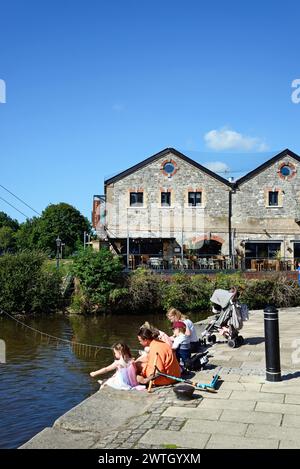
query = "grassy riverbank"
x=30 y=283
x=103 y=287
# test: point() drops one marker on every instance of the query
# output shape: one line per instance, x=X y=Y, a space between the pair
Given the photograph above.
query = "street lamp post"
x=127 y=243
x=58 y=248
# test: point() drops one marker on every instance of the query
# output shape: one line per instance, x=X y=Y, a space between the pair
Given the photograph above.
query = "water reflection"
x=42 y=380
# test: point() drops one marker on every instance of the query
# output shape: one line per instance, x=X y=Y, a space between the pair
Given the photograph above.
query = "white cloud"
x=217 y=166
x=227 y=139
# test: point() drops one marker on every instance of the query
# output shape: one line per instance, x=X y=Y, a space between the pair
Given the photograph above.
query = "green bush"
x=286 y=292
x=25 y=285
x=203 y=288
x=143 y=291
x=191 y=293
x=276 y=290
x=99 y=275
x=177 y=292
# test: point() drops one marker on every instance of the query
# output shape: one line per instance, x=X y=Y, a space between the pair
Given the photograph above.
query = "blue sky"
x=93 y=87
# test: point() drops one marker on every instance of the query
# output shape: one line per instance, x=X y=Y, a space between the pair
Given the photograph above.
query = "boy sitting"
x=181 y=342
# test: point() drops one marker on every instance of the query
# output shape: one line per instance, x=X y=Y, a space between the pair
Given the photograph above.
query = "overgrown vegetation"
x=144 y=291
x=100 y=283
x=29 y=284
x=26 y=286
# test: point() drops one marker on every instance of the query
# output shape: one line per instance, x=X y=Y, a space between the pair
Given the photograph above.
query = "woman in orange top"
x=161 y=353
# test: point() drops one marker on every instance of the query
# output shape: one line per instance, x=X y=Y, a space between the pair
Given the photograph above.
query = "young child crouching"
x=181 y=343
x=125 y=376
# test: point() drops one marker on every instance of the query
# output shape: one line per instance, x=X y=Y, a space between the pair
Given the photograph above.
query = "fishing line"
x=58 y=339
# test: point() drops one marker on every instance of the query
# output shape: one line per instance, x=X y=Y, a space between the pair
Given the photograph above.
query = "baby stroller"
x=228 y=321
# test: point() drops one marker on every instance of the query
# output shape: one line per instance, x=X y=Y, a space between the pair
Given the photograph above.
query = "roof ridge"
x=158 y=155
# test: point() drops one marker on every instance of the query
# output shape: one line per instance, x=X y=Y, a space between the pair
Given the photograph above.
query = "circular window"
x=285 y=170
x=169 y=168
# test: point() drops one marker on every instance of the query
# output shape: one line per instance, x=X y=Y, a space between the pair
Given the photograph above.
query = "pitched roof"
x=266 y=164
x=155 y=157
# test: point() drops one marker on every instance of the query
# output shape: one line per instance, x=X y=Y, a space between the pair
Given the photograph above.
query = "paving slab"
x=231 y=442
x=252 y=379
x=167 y=437
x=273 y=432
x=252 y=364
x=236 y=386
x=227 y=404
x=196 y=414
x=277 y=408
x=292 y=399
x=207 y=426
x=257 y=396
x=251 y=417
x=281 y=388
x=220 y=394
x=288 y=444
x=291 y=420
x=232 y=377
x=219 y=362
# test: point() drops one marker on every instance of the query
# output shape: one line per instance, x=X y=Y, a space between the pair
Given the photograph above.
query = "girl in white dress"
x=125 y=375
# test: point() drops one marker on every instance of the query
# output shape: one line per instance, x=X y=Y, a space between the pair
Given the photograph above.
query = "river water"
x=41 y=380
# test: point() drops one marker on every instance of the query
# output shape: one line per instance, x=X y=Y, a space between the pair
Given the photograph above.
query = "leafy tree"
x=57 y=220
x=6 y=220
x=28 y=235
x=61 y=220
x=98 y=273
x=7 y=239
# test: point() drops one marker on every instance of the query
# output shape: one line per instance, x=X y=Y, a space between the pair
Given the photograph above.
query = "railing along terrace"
x=208 y=263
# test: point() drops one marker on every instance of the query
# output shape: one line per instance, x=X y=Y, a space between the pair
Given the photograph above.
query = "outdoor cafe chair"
x=155 y=263
x=203 y=264
x=179 y=263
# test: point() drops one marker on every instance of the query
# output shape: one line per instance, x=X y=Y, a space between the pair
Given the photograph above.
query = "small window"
x=136 y=199
x=165 y=199
x=285 y=170
x=169 y=168
x=273 y=199
x=195 y=199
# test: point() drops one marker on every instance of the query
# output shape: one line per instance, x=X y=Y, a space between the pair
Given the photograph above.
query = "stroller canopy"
x=221 y=297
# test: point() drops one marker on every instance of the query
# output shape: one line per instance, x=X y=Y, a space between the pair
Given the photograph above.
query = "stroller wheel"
x=232 y=343
x=240 y=340
x=212 y=339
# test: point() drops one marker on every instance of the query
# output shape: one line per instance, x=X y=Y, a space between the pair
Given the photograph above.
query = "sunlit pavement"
x=245 y=412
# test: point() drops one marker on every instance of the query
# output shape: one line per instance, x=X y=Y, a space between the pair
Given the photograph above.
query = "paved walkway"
x=246 y=412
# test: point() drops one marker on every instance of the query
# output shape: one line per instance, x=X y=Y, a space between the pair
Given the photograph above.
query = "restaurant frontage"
x=167 y=253
x=270 y=255
x=204 y=254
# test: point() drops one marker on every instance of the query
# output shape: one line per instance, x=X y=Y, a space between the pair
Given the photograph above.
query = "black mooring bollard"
x=272 y=349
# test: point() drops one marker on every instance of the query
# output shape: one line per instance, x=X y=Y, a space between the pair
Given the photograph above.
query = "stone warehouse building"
x=170 y=211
